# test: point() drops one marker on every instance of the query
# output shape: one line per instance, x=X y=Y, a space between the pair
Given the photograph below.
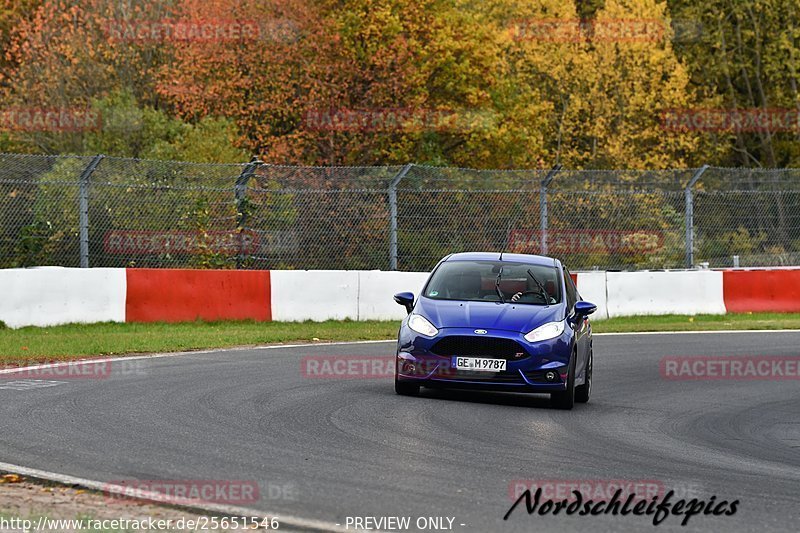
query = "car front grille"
x=479 y=346
x=489 y=377
x=536 y=377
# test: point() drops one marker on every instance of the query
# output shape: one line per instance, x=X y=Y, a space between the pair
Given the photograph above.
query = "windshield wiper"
x=542 y=291
x=497 y=286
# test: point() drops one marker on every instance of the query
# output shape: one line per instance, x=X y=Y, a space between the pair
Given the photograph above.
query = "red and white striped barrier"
x=52 y=295
x=46 y=296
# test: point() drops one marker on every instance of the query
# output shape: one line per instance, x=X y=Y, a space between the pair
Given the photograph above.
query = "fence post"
x=83 y=209
x=543 y=206
x=689 y=196
x=240 y=193
x=393 y=215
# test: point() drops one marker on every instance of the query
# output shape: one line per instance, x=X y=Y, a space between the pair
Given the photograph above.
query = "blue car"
x=500 y=322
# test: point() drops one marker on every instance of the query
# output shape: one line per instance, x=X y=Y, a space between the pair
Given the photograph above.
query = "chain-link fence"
x=111 y=212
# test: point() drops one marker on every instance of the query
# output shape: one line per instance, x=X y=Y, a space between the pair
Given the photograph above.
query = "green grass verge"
x=76 y=340
x=698 y=322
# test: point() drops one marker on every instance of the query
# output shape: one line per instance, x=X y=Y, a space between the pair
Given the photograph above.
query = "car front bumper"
x=430 y=361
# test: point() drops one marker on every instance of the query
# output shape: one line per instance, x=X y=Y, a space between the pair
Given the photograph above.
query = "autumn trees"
x=485 y=84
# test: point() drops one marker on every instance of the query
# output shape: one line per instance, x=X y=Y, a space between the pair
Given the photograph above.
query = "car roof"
x=507 y=257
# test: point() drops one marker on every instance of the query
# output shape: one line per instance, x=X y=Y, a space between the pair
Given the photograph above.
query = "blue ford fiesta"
x=502 y=322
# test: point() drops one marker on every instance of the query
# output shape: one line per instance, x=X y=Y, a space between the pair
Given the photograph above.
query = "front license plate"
x=481 y=364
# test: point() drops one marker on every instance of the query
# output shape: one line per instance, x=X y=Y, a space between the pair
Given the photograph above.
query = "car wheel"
x=566 y=399
x=582 y=392
x=404 y=388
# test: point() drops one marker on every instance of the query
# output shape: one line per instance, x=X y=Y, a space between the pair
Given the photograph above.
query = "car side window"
x=572 y=291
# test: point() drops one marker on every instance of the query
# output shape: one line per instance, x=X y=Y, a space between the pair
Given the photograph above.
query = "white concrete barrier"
x=592 y=288
x=367 y=295
x=48 y=296
x=318 y=295
x=376 y=289
x=662 y=293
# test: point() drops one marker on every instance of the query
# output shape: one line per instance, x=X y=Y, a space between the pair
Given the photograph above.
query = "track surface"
x=354 y=448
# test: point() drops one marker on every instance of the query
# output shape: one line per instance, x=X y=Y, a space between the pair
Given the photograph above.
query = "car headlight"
x=420 y=324
x=548 y=331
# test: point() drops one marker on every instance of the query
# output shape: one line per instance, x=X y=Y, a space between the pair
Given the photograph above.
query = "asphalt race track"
x=327 y=449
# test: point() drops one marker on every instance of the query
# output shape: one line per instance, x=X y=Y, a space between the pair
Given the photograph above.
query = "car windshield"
x=478 y=281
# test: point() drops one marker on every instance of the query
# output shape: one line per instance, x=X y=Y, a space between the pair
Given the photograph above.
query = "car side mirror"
x=406 y=299
x=584 y=308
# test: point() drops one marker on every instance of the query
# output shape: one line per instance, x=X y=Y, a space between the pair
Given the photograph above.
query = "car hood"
x=488 y=315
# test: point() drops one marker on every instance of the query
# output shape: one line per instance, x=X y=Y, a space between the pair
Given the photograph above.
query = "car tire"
x=566 y=399
x=404 y=388
x=582 y=392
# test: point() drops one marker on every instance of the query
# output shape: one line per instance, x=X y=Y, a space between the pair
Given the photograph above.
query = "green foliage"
x=132 y=130
x=52 y=235
x=201 y=224
x=744 y=55
x=32 y=246
x=738 y=242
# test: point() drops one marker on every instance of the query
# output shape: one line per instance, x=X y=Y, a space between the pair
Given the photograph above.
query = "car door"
x=579 y=324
